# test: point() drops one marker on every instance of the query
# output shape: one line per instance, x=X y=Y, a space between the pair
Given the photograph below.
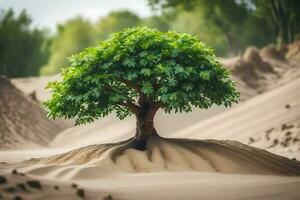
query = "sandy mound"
x=35 y=85
x=22 y=121
x=283 y=140
x=269 y=121
x=252 y=69
x=162 y=155
x=265 y=69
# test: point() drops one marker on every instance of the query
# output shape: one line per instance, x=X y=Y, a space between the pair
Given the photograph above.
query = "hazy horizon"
x=47 y=14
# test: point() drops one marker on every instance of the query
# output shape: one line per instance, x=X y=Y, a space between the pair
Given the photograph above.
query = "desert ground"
x=249 y=151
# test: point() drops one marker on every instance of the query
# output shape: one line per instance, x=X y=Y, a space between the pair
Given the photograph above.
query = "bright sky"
x=47 y=13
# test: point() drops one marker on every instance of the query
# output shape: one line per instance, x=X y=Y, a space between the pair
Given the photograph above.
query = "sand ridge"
x=260 y=118
x=162 y=155
x=23 y=123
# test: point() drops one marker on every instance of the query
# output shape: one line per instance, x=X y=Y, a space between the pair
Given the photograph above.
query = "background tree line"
x=227 y=26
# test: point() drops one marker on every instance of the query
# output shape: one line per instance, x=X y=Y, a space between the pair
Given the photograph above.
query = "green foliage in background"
x=158 y=22
x=22 y=49
x=223 y=15
x=283 y=16
x=115 y=21
x=72 y=37
x=242 y=22
x=140 y=69
x=228 y=26
x=77 y=34
x=194 y=23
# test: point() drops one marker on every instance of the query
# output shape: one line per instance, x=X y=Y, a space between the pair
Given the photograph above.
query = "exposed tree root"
x=175 y=154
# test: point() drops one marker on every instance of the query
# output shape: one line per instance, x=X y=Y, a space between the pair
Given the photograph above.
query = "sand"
x=23 y=123
x=161 y=155
x=169 y=186
x=168 y=169
x=260 y=121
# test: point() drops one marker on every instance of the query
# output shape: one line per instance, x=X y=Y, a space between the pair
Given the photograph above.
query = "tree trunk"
x=144 y=129
x=144 y=125
x=281 y=22
x=232 y=44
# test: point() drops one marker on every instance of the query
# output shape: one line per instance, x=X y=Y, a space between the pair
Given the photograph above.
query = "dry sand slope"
x=35 y=85
x=167 y=169
x=162 y=154
x=257 y=71
x=270 y=121
x=22 y=121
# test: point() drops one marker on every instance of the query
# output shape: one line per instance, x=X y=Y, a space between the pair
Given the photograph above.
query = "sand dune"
x=35 y=85
x=168 y=169
x=23 y=123
x=162 y=154
x=268 y=68
x=255 y=119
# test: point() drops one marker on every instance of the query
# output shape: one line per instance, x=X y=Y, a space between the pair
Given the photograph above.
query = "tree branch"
x=133 y=86
x=142 y=100
x=142 y=97
x=132 y=107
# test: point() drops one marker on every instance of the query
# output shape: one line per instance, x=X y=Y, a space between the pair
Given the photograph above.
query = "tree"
x=79 y=33
x=157 y=22
x=23 y=50
x=228 y=15
x=138 y=71
x=194 y=23
x=71 y=38
x=116 y=21
x=284 y=16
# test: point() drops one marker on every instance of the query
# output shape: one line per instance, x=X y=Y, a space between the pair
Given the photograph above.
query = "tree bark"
x=144 y=124
x=232 y=44
x=281 y=22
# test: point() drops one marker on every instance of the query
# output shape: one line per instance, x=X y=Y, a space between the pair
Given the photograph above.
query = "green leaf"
x=205 y=75
x=143 y=54
x=146 y=72
x=129 y=62
x=172 y=82
x=147 y=88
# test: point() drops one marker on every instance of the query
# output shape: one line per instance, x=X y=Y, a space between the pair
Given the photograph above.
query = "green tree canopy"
x=137 y=71
x=23 y=50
